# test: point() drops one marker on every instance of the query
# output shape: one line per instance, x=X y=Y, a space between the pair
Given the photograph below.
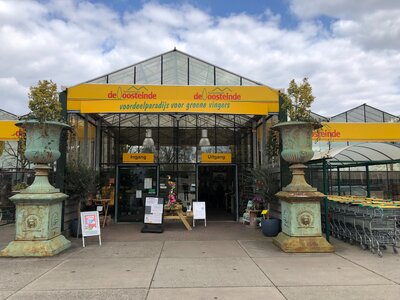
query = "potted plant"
x=80 y=181
x=265 y=193
x=297 y=132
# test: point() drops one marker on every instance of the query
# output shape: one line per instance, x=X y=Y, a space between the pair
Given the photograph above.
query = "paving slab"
x=233 y=293
x=355 y=251
x=328 y=270
x=387 y=292
x=149 y=249
x=265 y=248
x=208 y=272
x=387 y=266
x=16 y=273
x=177 y=249
x=97 y=273
x=134 y=294
x=5 y=294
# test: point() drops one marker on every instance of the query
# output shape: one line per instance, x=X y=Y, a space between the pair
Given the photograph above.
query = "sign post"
x=90 y=225
x=199 y=212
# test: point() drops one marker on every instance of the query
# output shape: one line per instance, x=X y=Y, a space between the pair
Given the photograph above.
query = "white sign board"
x=199 y=212
x=154 y=209
x=90 y=222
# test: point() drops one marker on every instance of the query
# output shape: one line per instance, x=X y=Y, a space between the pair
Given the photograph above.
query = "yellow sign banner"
x=358 y=132
x=138 y=158
x=216 y=158
x=111 y=98
x=8 y=131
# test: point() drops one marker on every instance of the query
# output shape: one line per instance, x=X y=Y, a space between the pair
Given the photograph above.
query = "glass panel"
x=390 y=118
x=167 y=121
x=373 y=115
x=129 y=120
x=187 y=121
x=175 y=69
x=122 y=76
x=356 y=115
x=226 y=78
x=339 y=118
x=134 y=185
x=246 y=82
x=225 y=120
x=149 y=72
x=200 y=73
x=91 y=137
x=148 y=120
x=243 y=145
x=167 y=151
x=204 y=121
x=187 y=146
x=99 y=80
x=129 y=141
x=166 y=170
x=186 y=185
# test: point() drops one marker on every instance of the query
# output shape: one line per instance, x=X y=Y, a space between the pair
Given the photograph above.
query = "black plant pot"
x=271 y=227
x=74 y=228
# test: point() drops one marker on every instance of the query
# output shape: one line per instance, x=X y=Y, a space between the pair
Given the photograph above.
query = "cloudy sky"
x=350 y=50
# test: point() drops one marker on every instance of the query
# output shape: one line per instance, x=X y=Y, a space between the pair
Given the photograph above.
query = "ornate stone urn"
x=300 y=202
x=39 y=207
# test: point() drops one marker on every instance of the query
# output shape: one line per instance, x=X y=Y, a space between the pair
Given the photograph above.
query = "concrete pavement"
x=225 y=260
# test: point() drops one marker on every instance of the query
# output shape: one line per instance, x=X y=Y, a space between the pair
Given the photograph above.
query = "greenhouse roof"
x=364 y=114
x=174 y=68
x=363 y=153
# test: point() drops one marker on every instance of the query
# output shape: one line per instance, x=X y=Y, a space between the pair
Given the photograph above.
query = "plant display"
x=80 y=180
x=19 y=186
x=265 y=187
x=297 y=101
x=172 y=192
x=43 y=102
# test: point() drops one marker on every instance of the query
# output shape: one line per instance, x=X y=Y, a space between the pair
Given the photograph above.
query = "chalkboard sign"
x=199 y=212
x=153 y=215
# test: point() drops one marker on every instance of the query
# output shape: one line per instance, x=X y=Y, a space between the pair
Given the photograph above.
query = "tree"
x=43 y=102
x=297 y=101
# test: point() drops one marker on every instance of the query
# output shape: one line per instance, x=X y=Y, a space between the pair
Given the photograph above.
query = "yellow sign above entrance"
x=216 y=158
x=112 y=98
x=358 y=132
x=138 y=158
x=8 y=131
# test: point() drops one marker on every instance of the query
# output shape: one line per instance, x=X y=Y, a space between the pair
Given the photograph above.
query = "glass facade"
x=177 y=155
x=176 y=137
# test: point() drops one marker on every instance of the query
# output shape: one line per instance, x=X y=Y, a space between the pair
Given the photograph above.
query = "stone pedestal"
x=301 y=208
x=301 y=223
x=38 y=226
x=39 y=207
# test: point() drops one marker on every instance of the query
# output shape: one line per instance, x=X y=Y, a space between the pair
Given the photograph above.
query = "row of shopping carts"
x=374 y=224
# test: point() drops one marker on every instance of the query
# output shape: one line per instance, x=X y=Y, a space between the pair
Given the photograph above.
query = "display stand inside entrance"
x=199 y=212
x=153 y=215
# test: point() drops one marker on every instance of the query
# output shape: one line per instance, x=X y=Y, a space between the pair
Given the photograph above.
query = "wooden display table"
x=176 y=213
x=104 y=203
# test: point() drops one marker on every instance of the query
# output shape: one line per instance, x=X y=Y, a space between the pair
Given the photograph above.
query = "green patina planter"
x=39 y=207
x=300 y=202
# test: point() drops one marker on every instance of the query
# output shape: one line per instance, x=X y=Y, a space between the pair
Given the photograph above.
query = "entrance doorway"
x=134 y=184
x=217 y=187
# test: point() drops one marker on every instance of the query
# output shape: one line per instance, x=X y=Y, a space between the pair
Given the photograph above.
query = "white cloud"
x=10 y=91
x=354 y=61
